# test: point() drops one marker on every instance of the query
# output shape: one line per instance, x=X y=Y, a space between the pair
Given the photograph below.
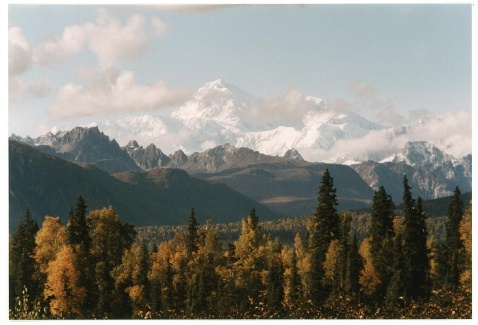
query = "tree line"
x=93 y=268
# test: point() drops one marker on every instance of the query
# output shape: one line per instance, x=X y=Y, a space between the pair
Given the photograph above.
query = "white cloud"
x=188 y=7
x=366 y=102
x=115 y=91
x=19 y=52
x=290 y=108
x=19 y=62
x=159 y=26
x=362 y=90
x=107 y=38
x=451 y=132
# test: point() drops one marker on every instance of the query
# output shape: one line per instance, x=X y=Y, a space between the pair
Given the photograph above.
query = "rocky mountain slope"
x=84 y=145
x=431 y=172
x=49 y=185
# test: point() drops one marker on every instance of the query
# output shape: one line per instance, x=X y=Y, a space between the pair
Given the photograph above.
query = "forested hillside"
x=49 y=185
x=97 y=267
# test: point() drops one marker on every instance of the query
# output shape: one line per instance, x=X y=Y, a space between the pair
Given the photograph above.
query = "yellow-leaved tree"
x=465 y=236
x=49 y=240
x=61 y=285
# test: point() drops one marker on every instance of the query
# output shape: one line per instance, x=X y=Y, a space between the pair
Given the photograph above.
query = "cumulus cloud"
x=116 y=91
x=379 y=144
x=19 y=52
x=367 y=102
x=107 y=38
x=362 y=90
x=290 y=108
x=188 y=7
x=452 y=131
x=419 y=114
x=19 y=62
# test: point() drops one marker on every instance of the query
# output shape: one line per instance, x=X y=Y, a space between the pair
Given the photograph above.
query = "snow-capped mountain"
x=420 y=154
x=433 y=173
x=220 y=113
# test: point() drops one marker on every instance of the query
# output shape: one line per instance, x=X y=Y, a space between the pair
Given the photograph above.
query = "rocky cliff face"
x=146 y=158
x=86 y=145
x=431 y=173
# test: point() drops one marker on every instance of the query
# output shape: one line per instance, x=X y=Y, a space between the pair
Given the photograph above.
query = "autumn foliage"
x=95 y=267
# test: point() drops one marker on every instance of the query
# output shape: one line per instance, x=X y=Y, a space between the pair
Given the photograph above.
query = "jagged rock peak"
x=133 y=144
x=293 y=154
x=178 y=159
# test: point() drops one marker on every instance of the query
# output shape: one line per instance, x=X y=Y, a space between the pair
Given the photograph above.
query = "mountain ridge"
x=49 y=185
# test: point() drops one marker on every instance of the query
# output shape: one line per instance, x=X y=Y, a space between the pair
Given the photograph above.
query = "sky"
x=72 y=65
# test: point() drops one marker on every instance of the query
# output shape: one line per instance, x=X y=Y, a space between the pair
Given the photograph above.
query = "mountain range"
x=321 y=130
x=224 y=135
x=49 y=185
x=285 y=185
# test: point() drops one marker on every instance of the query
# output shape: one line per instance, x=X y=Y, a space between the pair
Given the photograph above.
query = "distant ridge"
x=49 y=185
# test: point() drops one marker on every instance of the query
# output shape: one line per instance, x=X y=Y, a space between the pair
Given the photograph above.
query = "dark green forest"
x=390 y=262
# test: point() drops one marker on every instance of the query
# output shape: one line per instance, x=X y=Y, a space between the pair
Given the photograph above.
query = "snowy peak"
x=419 y=154
x=293 y=154
x=219 y=88
x=217 y=105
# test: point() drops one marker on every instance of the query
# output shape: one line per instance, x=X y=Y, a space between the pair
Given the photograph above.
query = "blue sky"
x=409 y=59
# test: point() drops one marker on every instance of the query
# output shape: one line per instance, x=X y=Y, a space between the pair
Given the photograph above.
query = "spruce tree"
x=192 y=237
x=274 y=281
x=396 y=285
x=77 y=227
x=22 y=263
x=325 y=228
x=382 y=221
x=293 y=281
x=353 y=267
x=453 y=242
x=416 y=263
x=381 y=238
x=79 y=238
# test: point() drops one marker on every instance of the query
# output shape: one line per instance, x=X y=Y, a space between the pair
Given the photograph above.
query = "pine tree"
x=193 y=237
x=22 y=263
x=254 y=220
x=453 y=242
x=353 y=267
x=325 y=229
x=80 y=241
x=77 y=227
x=381 y=238
x=293 y=280
x=274 y=280
x=396 y=286
x=416 y=263
x=381 y=226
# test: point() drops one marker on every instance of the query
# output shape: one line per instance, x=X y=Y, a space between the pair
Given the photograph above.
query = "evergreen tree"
x=193 y=237
x=396 y=286
x=325 y=229
x=168 y=302
x=22 y=262
x=416 y=263
x=79 y=239
x=275 y=280
x=155 y=296
x=293 y=281
x=353 y=267
x=453 y=242
x=181 y=287
x=77 y=227
x=381 y=237
x=254 y=220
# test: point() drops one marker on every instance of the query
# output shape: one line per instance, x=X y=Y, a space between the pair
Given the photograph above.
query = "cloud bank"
x=116 y=91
